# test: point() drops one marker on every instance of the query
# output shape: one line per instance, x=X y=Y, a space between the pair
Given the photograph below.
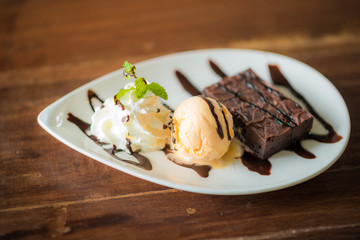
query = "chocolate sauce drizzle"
x=278 y=119
x=91 y=95
x=226 y=121
x=173 y=139
x=168 y=107
x=252 y=76
x=143 y=162
x=332 y=136
x=212 y=110
x=290 y=120
x=253 y=163
x=217 y=70
x=190 y=88
x=186 y=84
x=299 y=150
x=202 y=170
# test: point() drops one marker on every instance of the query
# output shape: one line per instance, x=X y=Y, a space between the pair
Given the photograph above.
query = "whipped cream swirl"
x=142 y=122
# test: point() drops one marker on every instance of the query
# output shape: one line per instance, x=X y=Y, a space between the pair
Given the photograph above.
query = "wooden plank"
x=332 y=208
x=69 y=31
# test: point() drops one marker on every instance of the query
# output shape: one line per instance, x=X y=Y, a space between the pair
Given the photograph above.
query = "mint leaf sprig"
x=141 y=86
x=129 y=70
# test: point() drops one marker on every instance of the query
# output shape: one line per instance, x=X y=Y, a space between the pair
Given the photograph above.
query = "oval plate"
x=288 y=169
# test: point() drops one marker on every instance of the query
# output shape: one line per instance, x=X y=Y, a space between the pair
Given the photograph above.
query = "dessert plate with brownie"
x=288 y=124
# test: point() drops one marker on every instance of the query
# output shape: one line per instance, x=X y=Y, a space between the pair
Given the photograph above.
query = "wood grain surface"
x=48 y=48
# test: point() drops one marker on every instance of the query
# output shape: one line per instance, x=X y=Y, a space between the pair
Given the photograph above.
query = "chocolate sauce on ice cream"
x=218 y=124
x=202 y=134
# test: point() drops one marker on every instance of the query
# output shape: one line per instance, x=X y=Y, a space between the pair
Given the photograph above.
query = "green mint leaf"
x=141 y=87
x=158 y=90
x=122 y=92
x=129 y=70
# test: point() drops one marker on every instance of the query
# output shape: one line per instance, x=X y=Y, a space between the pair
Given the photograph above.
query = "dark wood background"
x=48 y=48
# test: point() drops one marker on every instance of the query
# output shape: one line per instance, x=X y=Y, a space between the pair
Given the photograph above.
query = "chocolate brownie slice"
x=266 y=120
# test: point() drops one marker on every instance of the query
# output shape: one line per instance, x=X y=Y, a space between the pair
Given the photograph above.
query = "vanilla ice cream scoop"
x=202 y=130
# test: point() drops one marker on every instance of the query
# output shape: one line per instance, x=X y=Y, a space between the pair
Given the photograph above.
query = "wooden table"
x=48 y=48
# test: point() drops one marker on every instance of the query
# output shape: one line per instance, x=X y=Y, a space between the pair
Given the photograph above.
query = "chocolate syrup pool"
x=263 y=166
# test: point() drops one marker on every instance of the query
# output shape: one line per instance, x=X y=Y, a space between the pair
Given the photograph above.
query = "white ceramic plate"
x=287 y=168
